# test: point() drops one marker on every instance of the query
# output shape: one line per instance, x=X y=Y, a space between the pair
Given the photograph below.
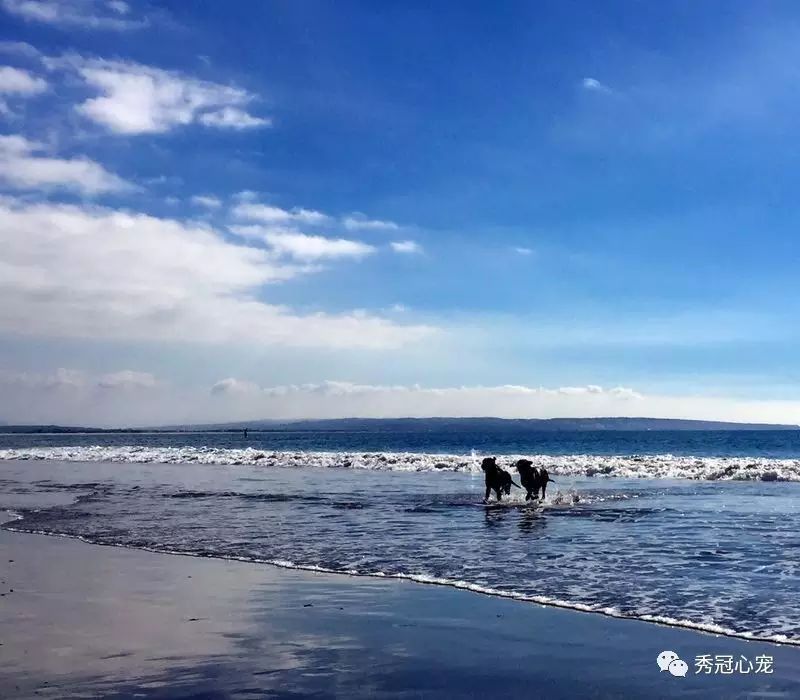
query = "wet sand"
x=79 y=620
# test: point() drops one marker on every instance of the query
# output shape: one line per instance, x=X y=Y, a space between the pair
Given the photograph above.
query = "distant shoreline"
x=510 y=425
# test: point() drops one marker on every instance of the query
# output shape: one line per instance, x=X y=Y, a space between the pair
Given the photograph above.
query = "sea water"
x=700 y=529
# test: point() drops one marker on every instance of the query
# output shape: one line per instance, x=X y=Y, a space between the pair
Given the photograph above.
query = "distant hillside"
x=33 y=429
x=510 y=425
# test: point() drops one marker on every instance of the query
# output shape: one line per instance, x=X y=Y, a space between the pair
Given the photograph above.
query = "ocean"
x=693 y=529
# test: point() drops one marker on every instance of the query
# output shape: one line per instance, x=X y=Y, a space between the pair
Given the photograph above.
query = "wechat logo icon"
x=670 y=661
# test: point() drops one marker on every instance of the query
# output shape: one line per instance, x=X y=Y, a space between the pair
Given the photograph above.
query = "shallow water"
x=717 y=555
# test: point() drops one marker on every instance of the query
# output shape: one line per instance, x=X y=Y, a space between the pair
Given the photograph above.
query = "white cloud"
x=332 y=399
x=119 y=6
x=234 y=386
x=20 y=48
x=207 y=201
x=594 y=85
x=132 y=397
x=233 y=118
x=14 y=81
x=249 y=211
x=339 y=399
x=522 y=250
x=92 y=272
x=302 y=246
x=21 y=167
x=406 y=247
x=76 y=14
x=138 y=99
x=357 y=222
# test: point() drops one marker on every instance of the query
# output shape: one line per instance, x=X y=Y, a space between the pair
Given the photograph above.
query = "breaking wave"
x=660 y=466
x=549 y=601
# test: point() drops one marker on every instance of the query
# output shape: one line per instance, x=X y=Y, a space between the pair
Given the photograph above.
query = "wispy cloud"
x=233 y=118
x=304 y=247
x=22 y=166
x=20 y=48
x=112 y=15
x=250 y=211
x=407 y=247
x=358 y=222
x=138 y=99
x=14 y=81
x=207 y=201
x=233 y=386
x=594 y=85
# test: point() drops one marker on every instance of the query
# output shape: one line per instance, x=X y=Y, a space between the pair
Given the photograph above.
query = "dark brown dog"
x=497 y=479
x=532 y=479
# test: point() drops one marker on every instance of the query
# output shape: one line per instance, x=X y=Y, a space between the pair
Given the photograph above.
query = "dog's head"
x=489 y=464
x=524 y=466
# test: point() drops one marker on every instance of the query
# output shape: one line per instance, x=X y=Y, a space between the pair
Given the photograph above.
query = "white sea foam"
x=660 y=466
x=549 y=601
x=12 y=514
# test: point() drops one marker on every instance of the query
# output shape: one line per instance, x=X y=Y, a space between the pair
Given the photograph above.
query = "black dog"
x=532 y=479
x=497 y=479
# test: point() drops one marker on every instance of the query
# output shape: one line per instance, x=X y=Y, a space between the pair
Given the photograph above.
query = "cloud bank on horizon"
x=140 y=399
x=231 y=193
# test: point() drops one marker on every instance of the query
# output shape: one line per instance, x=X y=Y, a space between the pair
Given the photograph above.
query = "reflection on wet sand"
x=97 y=621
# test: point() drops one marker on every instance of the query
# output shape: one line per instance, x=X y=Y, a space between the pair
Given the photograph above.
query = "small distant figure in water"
x=533 y=479
x=245 y=433
x=497 y=479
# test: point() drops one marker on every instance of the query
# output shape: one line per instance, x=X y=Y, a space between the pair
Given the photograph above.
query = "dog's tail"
x=516 y=484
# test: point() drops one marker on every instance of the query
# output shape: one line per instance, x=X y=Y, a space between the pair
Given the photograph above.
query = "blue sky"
x=247 y=210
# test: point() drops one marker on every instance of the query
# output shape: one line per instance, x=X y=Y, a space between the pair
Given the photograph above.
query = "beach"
x=399 y=350
x=81 y=620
